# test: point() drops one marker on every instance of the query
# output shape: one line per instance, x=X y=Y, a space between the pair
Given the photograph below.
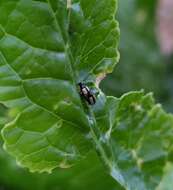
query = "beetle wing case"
x=87 y=94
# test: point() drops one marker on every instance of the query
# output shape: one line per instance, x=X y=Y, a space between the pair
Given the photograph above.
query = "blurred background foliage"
x=142 y=66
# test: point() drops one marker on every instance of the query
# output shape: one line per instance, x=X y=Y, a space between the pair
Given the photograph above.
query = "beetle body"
x=91 y=99
x=86 y=93
x=84 y=90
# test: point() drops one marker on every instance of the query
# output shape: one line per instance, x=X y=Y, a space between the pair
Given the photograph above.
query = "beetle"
x=91 y=99
x=84 y=90
x=86 y=93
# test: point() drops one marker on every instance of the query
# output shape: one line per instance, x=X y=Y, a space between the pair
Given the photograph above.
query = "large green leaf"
x=134 y=138
x=45 y=50
x=81 y=176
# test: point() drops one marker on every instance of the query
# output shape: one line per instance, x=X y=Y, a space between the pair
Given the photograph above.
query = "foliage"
x=39 y=76
x=141 y=65
x=45 y=50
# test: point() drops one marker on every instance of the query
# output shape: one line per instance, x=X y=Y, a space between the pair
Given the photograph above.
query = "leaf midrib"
x=42 y=49
x=66 y=45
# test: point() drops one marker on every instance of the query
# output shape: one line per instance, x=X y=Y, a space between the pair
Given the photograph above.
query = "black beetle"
x=86 y=93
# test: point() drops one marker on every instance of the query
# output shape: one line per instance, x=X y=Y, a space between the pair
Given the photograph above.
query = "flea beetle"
x=86 y=93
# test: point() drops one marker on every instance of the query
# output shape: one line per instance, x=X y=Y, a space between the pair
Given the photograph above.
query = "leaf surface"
x=46 y=49
x=42 y=51
x=134 y=139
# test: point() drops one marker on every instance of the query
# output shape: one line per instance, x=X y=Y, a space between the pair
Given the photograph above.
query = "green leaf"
x=134 y=139
x=165 y=184
x=81 y=176
x=45 y=50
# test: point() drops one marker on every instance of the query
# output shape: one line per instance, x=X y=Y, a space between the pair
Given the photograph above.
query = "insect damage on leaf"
x=100 y=78
x=40 y=64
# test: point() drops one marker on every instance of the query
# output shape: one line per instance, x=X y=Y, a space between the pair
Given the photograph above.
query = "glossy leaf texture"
x=135 y=140
x=45 y=50
x=81 y=176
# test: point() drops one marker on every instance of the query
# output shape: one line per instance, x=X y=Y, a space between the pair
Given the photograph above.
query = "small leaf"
x=134 y=140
